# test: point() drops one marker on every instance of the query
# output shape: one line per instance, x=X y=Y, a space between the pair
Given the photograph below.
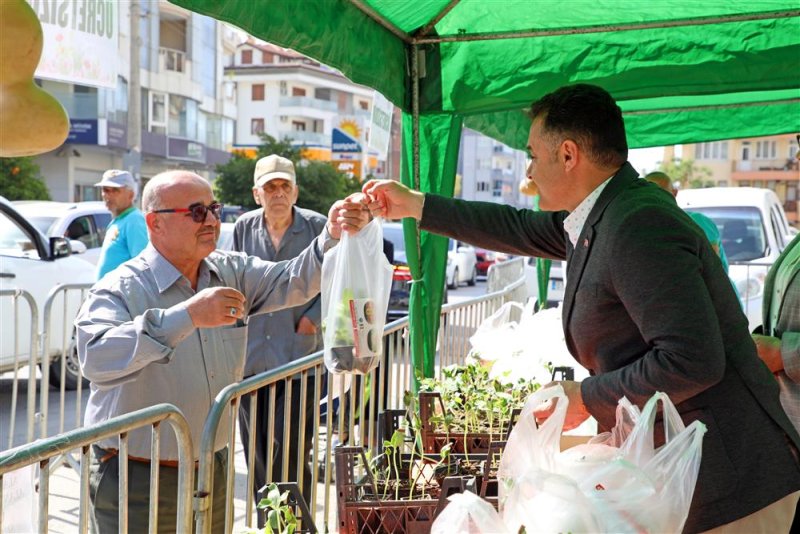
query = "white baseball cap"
x=117 y=178
x=273 y=167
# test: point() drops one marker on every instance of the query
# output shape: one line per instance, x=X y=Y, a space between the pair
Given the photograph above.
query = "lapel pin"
x=585 y=242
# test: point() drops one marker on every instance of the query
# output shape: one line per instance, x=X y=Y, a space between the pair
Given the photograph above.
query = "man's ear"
x=255 y=196
x=569 y=154
x=153 y=222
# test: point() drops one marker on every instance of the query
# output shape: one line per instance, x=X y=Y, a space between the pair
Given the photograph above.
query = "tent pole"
x=417 y=337
x=605 y=28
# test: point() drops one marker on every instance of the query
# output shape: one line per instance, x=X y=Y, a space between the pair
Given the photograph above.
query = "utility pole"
x=133 y=159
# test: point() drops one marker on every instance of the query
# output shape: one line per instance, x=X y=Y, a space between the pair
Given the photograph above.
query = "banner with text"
x=380 y=124
x=81 y=41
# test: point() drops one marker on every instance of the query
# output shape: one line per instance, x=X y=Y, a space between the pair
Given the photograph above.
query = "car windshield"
x=42 y=223
x=395 y=235
x=741 y=229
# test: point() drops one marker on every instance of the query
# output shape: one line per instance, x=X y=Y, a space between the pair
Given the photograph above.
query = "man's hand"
x=392 y=200
x=348 y=215
x=576 y=411
x=306 y=326
x=769 y=350
x=215 y=306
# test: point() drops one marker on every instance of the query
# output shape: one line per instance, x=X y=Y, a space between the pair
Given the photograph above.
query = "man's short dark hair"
x=588 y=115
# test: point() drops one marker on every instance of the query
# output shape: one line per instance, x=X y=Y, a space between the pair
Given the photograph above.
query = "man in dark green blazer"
x=647 y=307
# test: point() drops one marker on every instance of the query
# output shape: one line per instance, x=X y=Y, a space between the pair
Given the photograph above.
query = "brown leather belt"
x=109 y=453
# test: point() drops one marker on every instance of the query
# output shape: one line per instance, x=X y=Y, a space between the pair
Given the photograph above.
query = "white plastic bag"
x=356 y=281
x=617 y=483
x=466 y=513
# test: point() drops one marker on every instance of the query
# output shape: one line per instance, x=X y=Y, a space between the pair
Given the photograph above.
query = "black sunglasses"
x=197 y=211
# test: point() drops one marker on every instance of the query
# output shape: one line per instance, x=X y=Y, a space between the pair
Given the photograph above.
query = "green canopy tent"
x=682 y=71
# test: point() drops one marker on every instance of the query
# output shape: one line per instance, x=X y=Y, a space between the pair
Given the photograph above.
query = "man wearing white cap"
x=126 y=236
x=278 y=231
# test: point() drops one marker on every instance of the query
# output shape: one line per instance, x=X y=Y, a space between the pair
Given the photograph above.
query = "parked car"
x=225 y=240
x=754 y=231
x=231 y=213
x=487 y=258
x=84 y=222
x=401 y=280
x=555 y=287
x=31 y=261
x=462 y=264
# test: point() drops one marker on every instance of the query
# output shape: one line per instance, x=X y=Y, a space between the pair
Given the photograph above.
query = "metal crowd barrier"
x=355 y=423
x=358 y=410
x=11 y=347
x=43 y=451
x=45 y=344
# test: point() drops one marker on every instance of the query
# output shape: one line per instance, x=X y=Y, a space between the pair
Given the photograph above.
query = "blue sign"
x=344 y=142
x=82 y=131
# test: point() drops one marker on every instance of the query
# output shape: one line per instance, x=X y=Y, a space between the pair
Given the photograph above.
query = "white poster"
x=81 y=41
x=19 y=501
x=380 y=124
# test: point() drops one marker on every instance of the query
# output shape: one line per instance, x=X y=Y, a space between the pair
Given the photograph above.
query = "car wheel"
x=71 y=370
x=474 y=278
x=452 y=284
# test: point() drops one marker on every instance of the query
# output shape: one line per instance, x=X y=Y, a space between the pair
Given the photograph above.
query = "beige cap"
x=272 y=167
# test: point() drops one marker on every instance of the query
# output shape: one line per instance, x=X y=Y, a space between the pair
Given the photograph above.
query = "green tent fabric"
x=427 y=253
x=682 y=71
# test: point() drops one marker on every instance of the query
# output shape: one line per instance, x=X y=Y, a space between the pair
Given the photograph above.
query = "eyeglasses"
x=198 y=212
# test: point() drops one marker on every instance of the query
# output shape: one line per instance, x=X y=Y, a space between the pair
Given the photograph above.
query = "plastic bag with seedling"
x=356 y=282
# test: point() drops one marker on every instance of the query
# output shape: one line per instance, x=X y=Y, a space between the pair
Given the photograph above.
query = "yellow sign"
x=350 y=167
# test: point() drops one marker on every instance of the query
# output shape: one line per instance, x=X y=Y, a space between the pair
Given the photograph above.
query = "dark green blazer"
x=647 y=308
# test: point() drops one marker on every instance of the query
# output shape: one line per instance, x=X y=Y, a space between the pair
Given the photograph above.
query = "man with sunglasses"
x=170 y=327
x=279 y=230
x=126 y=236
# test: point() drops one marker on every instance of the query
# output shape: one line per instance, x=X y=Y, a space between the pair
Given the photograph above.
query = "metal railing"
x=341 y=411
x=67 y=299
x=358 y=411
x=43 y=451
x=10 y=348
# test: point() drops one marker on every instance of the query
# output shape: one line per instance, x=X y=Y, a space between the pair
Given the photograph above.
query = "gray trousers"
x=104 y=494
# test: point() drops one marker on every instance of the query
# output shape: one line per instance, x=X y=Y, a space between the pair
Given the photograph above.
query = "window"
x=766 y=149
x=81 y=229
x=363 y=105
x=257 y=92
x=247 y=57
x=742 y=231
x=283 y=89
x=256 y=126
x=717 y=150
x=483 y=186
x=298 y=126
x=101 y=221
x=182 y=117
x=158 y=113
x=298 y=91
x=15 y=240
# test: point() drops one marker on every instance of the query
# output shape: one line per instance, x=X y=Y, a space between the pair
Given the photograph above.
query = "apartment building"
x=187 y=113
x=490 y=171
x=768 y=162
x=288 y=95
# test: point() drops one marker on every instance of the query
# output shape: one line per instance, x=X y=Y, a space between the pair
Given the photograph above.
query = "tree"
x=319 y=183
x=20 y=180
x=685 y=172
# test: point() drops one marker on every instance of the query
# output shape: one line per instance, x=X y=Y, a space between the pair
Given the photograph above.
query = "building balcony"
x=300 y=137
x=792 y=174
x=307 y=102
x=172 y=60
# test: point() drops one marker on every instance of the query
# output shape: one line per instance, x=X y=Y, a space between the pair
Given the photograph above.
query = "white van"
x=754 y=231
